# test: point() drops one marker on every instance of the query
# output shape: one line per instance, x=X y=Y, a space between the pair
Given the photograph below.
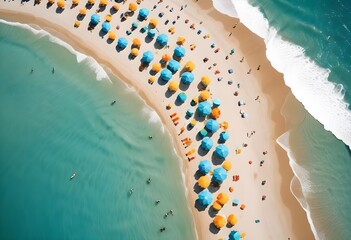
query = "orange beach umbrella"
x=223 y=198
x=216 y=113
x=136 y=42
x=51 y=1
x=112 y=35
x=217 y=206
x=232 y=219
x=133 y=7
x=219 y=221
x=153 y=22
x=156 y=67
x=166 y=57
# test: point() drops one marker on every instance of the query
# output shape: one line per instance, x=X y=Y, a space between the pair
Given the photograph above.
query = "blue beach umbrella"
x=205 y=166
x=223 y=136
x=95 y=19
x=151 y=33
x=221 y=151
x=234 y=235
x=135 y=24
x=190 y=112
x=203 y=132
x=173 y=65
x=187 y=77
x=204 y=108
x=219 y=175
x=181 y=97
x=106 y=27
x=166 y=74
x=179 y=51
x=162 y=39
x=122 y=43
x=148 y=56
x=216 y=102
x=205 y=198
x=143 y=13
x=212 y=125
x=206 y=143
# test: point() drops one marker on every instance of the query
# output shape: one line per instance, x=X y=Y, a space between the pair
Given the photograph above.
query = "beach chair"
x=235 y=202
x=242 y=206
x=173 y=115
x=191 y=158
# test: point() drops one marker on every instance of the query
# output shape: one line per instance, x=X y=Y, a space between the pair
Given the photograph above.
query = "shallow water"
x=55 y=124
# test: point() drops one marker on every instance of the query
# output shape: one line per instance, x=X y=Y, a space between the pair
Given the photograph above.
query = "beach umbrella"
x=204 y=95
x=111 y=35
x=216 y=113
x=166 y=57
x=148 y=56
x=223 y=136
x=219 y=221
x=143 y=13
x=223 y=198
x=61 y=4
x=242 y=235
x=94 y=19
x=236 y=202
x=91 y=1
x=83 y=11
x=173 y=65
x=108 y=18
x=134 y=52
x=204 y=182
x=205 y=166
x=156 y=67
x=234 y=235
x=166 y=74
x=181 y=97
x=136 y=42
x=151 y=80
x=135 y=24
x=133 y=7
x=51 y=1
x=180 y=40
x=153 y=22
x=225 y=125
x=205 y=198
x=122 y=43
x=219 y=175
x=77 y=23
x=205 y=80
x=203 y=133
x=193 y=122
x=162 y=39
x=151 y=33
x=232 y=219
x=189 y=66
x=216 y=102
x=204 y=108
x=212 y=125
x=187 y=77
x=116 y=7
x=173 y=86
x=206 y=143
x=217 y=206
x=194 y=101
x=103 y=2
x=190 y=112
x=221 y=151
x=75 y=2
x=106 y=27
x=179 y=51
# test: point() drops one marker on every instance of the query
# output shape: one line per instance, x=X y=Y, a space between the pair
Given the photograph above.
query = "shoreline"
x=266 y=88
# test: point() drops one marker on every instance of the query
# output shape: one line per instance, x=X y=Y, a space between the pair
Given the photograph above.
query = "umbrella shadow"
x=143 y=67
x=216 y=160
x=158 y=46
x=88 y=6
x=131 y=56
x=49 y=5
x=200 y=86
x=119 y=49
x=183 y=86
x=161 y=82
x=152 y=72
x=177 y=102
x=148 y=39
x=198 y=174
x=213 y=229
x=59 y=10
x=201 y=151
x=198 y=117
x=214 y=187
x=198 y=137
x=113 y=11
x=229 y=225
x=109 y=40
x=178 y=59
x=212 y=212
x=189 y=127
x=168 y=93
x=197 y=188
x=80 y=17
x=199 y=206
x=102 y=8
x=102 y=33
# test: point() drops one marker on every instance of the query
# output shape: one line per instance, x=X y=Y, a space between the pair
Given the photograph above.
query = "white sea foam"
x=309 y=83
x=81 y=58
x=153 y=117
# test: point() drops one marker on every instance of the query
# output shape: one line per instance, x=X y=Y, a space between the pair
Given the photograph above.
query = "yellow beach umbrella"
x=190 y=66
x=227 y=165
x=166 y=57
x=205 y=80
x=91 y=1
x=217 y=206
x=232 y=219
x=61 y=4
x=216 y=113
x=112 y=35
x=180 y=40
x=195 y=100
x=75 y=2
x=204 y=95
x=51 y=1
x=116 y=7
x=134 y=52
x=103 y=2
x=83 y=11
x=133 y=7
x=151 y=80
x=219 y=221
x=225 y=125
x=108 y=18
x=223 y=198
x=156 y=67
x=204 y=182
x=193 y=122
x=77 y=24
x=136 y=42
x=242 y=235
x=153 y=22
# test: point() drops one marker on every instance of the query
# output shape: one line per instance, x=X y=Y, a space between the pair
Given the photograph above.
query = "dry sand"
x=280 y=215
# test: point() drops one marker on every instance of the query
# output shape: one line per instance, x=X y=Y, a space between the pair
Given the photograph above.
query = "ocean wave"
x=81 y=58
x=309 y=83
x=153 y=117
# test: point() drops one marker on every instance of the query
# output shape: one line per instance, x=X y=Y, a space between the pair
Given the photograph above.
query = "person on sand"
x=263 y=182
x=242 y=60
x=257 y=98
x=258 y=68
x=249 y=71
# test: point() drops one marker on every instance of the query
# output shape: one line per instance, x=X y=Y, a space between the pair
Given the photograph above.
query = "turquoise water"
x=55 y=124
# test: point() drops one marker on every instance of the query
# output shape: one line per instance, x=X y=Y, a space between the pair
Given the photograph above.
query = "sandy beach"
x=253 y=81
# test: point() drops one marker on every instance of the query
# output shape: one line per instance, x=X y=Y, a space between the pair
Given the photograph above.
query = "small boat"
x=112 y=103
x=73 y=175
